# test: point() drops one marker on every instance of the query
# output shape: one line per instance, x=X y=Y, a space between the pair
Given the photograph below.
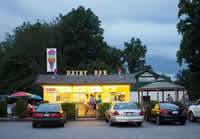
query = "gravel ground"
x=98 y=130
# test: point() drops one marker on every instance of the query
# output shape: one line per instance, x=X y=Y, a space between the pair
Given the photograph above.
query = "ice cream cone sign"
x=51 y=59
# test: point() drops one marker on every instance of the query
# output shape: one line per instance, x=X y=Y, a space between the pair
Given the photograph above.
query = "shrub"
x=102 y=108
x=3 y=107
x=69 y=109
x=138 y=105
x=11 y=101
x=21 y=108
x=44 y=102
x=178 y=103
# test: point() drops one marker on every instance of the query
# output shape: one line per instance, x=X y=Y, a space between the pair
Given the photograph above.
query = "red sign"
x=56 y=70
x=51 y=90
x=119 y=70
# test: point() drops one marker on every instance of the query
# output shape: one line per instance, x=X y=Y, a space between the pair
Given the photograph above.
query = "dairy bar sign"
x=85 y=72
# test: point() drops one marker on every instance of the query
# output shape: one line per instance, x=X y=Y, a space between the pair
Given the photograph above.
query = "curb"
x=30 y=119
x=14 y=119
x=88 y=119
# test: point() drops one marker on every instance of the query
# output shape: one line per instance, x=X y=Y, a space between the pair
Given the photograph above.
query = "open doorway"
x=86 y=108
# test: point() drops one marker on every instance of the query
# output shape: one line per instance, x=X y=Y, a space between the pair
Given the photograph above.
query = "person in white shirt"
x=169 y=98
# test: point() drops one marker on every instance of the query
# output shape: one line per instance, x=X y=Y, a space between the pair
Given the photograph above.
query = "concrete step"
x=86 y=119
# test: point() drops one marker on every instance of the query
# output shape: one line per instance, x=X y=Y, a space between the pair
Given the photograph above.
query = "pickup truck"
x=194 y=111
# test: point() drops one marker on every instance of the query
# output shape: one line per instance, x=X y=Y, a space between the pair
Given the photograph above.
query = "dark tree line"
x=189 y=53
x=80 y=44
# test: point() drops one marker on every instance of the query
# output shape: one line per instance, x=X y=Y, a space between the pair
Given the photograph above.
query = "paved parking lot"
x=99 y=130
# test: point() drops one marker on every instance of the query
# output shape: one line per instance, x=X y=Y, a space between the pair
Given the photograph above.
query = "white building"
x=151 y=86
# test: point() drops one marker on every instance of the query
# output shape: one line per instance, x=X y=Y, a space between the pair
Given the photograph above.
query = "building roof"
x=137 y=74
x=139 y=85
x=161 y=84
x=50 y=79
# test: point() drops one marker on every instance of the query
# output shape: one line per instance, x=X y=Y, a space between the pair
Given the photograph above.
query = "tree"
x=81 y=43
x=78 y=37
x=134 y=54
x=82 y=38
x=166 y=77
x=189 y=27
x=148 y=67
x=184 y=78
x=25 y=58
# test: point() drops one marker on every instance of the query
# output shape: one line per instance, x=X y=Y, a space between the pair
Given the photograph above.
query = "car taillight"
x=185 y=111
x=38 y=115
x=141 y=113
x=116 y=113
x=55 y=115
x=163 y=111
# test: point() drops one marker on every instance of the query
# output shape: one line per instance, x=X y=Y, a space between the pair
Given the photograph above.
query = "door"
x=84 y=109
x=79 y=100
x=146 y=99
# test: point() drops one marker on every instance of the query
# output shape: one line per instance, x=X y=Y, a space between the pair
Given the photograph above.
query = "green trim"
x=137 y=74
x=142 y=84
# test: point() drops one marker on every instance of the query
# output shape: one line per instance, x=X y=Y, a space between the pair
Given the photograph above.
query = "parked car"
x=168 y=112
x=124 y=112
x=48 y=114
x=194 y=111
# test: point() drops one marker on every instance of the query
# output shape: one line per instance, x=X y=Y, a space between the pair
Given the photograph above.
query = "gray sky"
x=153 y=21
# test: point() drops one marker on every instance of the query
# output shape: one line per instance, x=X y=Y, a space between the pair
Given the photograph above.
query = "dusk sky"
x=153 y=21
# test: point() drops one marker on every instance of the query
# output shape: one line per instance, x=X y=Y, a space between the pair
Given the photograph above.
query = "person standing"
x=31 y=109
x=99 y=100
x=169 y=98
x=185 y=100
x=92 y=103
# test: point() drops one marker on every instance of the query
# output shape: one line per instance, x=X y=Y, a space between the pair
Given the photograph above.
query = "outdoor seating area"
x=20 y=104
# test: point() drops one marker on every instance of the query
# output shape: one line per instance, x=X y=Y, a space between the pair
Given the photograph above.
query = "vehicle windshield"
x=125 y=106
x=48 y=108
x=168 y=106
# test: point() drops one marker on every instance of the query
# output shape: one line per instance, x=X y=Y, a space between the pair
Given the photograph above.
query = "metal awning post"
x=142 y=100
x=163 y=99
x=177 y=95
x=138 y=96
x=158 y=99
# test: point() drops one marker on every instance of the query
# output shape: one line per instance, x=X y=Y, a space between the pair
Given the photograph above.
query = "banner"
x=51 y=60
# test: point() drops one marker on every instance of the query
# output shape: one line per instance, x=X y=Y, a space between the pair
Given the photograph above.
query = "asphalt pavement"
x=98 y=130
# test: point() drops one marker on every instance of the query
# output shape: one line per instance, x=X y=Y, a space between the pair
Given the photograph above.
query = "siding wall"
x=153 y=95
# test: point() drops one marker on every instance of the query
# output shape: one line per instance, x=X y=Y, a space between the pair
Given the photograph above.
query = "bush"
x=70 y=110
x=3 y=107
x=138 y=105
x=21 y=108
x=178 y=103
x=102 y=109
x=44 y=102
